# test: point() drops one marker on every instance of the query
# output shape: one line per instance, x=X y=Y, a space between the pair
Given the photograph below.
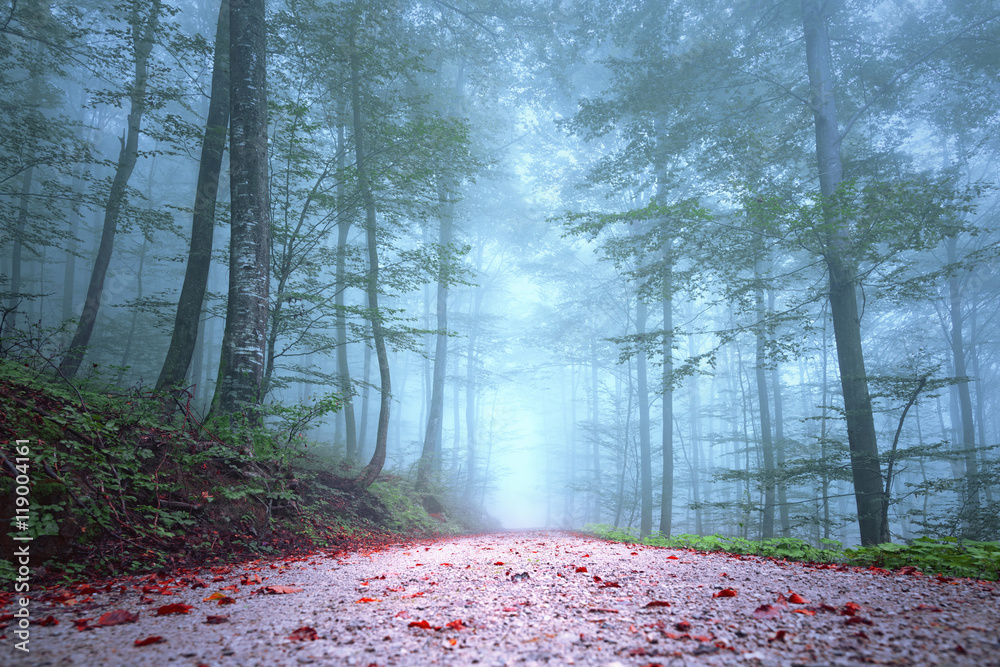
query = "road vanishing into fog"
x=516 y=598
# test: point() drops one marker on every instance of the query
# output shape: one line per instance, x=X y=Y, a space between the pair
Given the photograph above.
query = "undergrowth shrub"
x=947 y=556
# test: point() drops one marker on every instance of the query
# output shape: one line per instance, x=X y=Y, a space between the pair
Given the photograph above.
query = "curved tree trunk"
x=861 y=435
x=143 y=38
x=371 y=471
x=192 y=297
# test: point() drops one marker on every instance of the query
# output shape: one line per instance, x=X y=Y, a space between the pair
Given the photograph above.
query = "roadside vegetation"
x=129 y=481
x=947 y=556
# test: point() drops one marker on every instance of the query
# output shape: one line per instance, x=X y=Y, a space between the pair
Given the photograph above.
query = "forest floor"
x=514 y=598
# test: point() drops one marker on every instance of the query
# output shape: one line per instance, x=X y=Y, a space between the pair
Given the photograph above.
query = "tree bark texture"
x=241 y=371
x=861 y=435
x=192 y=297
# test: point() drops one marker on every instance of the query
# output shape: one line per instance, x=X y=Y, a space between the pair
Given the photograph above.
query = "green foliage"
x=947 y=556
x=406 y=514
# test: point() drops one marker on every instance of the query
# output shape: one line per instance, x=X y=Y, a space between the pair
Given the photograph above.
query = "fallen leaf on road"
x=725 y=593
x=175 y=608
x=155 y=639
x=305 y=633
x=116 y=617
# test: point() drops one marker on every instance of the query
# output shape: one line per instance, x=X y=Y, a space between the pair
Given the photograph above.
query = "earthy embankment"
x=515 y=598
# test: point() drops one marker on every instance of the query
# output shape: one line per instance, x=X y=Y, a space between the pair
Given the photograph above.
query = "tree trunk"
x=343 y=369
x=667 y=484
x=861 y=435
x=127 y=158
x=192 y=297
x=645 y=457
x=371 y=471
x=968 y=442
x=430 y=459
x=766 y=444
x=241 y=365
x=14 y=302
x=595 y=421
x=779 y=439
x=471 y=388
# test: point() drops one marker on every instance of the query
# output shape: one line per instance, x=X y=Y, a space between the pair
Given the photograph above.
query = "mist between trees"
x=687 y=267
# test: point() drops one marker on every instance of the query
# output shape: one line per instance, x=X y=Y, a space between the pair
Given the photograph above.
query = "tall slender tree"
x=144 y=21
x=241 y=366
x=189 y=307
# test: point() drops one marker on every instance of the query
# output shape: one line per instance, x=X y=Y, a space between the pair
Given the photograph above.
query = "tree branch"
x=906 y=70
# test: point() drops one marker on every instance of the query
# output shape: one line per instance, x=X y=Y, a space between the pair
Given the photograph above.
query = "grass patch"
x=947 y=556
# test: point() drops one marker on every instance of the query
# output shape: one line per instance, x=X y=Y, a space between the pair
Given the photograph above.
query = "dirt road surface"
x=516 y=598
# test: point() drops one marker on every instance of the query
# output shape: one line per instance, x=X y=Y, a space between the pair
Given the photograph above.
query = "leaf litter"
x=630 y=605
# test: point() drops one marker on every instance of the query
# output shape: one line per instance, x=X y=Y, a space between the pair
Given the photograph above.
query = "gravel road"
x=515 y=598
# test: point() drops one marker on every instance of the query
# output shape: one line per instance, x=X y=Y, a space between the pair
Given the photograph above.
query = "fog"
x=682 y=267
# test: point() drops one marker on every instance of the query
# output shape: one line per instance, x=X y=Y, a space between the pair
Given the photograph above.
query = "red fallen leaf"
x=81 y=624
x=766 y=611
x=826 y=607
x=581 y=569
x=251 y=579
x=175 y=608
x=145 y=600
x=52 y=620
x=234 y=589
x=155 y=639
x=116 y=617
x=198 y=583
x=683 y=626
x=456 y=625
x=850 y=609
x=807 y=612
x=305 y=633
x=960 y=649
x=419 y=624
x=725 y=593
x=216 y=620
x=446 y=564
x=657 y=603
x=611 y=584
x=597 y=579
x=279 y=590
x=911 y=571
x=671 y=557
x=225 y=599
x=509 y=609
x=86 y=589
x=795 y=598
x=703 y=638
x=368 y=600
x=779 y=636
x=403 y=614
x=499 y=562
x=634 y=553
x=857 y=620
x=926 y=607
x=218 y=578
x=214 y=596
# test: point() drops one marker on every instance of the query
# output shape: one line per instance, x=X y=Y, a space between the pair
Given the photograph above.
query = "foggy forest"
x=669 y=267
